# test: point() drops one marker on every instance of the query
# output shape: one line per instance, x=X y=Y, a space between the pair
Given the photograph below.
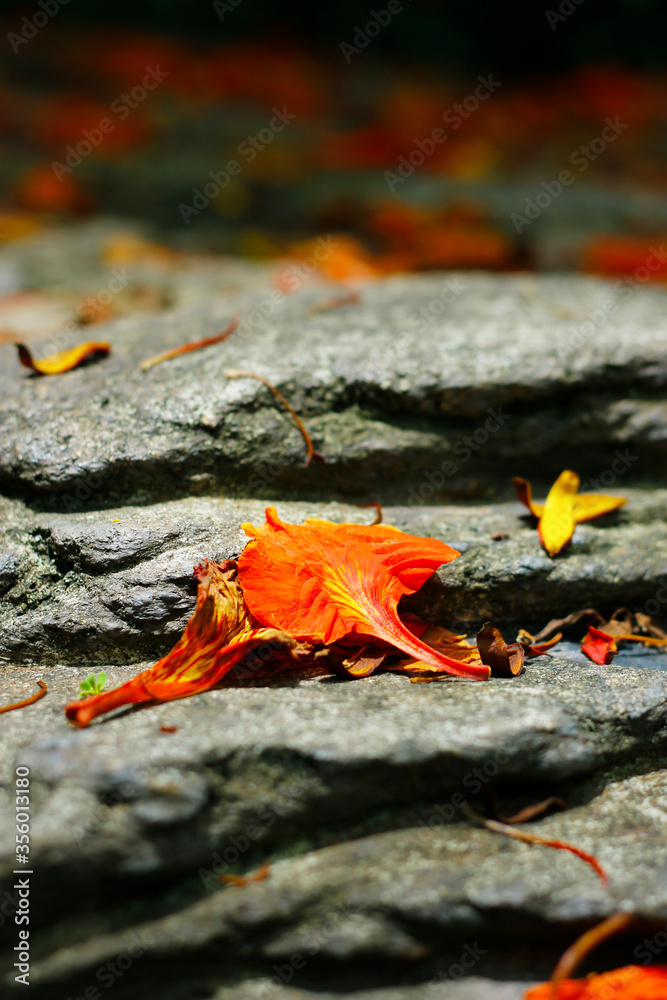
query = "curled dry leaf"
x=63 y=361
x=600 y=642
x=598 y=646
x=531 y=838
x=327 y=582
x=194 y=346
x=27 y=701
x=531 y=648
x=646 y=625
x=442 y=640
x=626 y=626
x=504 y=660
x=564 y=508
x=365 y=660
x=589 y=616
x=218 y=635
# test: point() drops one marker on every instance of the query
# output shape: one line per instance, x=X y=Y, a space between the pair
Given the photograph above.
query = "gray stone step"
x=115 y=586
x=458 y=376
x=352 y=789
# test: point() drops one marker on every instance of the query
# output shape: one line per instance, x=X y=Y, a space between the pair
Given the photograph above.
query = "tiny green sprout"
x=93 y=684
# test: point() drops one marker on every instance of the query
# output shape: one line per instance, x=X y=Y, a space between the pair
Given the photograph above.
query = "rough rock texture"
x=352 y=789
x=484 y=373
x=472 y=988
x=117 y=482
x=116 y=586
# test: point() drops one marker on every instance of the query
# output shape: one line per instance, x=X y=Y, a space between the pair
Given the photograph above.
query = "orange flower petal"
x=598 y=646
x=62 y=361
x=242 y=880
x=217 y=636
x=633 y=982
x=322 y=581
x=366 y=659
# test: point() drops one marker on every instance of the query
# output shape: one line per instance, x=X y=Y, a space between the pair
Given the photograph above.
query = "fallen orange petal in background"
x=623 y=255
x=323 y=582
x=588 y=506
x=41 y=190
x=598 y=646
x=241 y=880
x=63 y=361
x=195 y=345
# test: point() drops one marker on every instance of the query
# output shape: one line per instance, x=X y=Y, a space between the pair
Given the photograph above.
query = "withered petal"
x=504 y=660
x=560 y=624
x=219 y=634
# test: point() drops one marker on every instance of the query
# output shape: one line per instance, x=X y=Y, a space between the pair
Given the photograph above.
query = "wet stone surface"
x=116 y=482
x=395 y=392
x=352 y=790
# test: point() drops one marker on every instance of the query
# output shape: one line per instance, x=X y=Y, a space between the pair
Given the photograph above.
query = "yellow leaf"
x=557 y=522
x=564 y=508
x=62 y=361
